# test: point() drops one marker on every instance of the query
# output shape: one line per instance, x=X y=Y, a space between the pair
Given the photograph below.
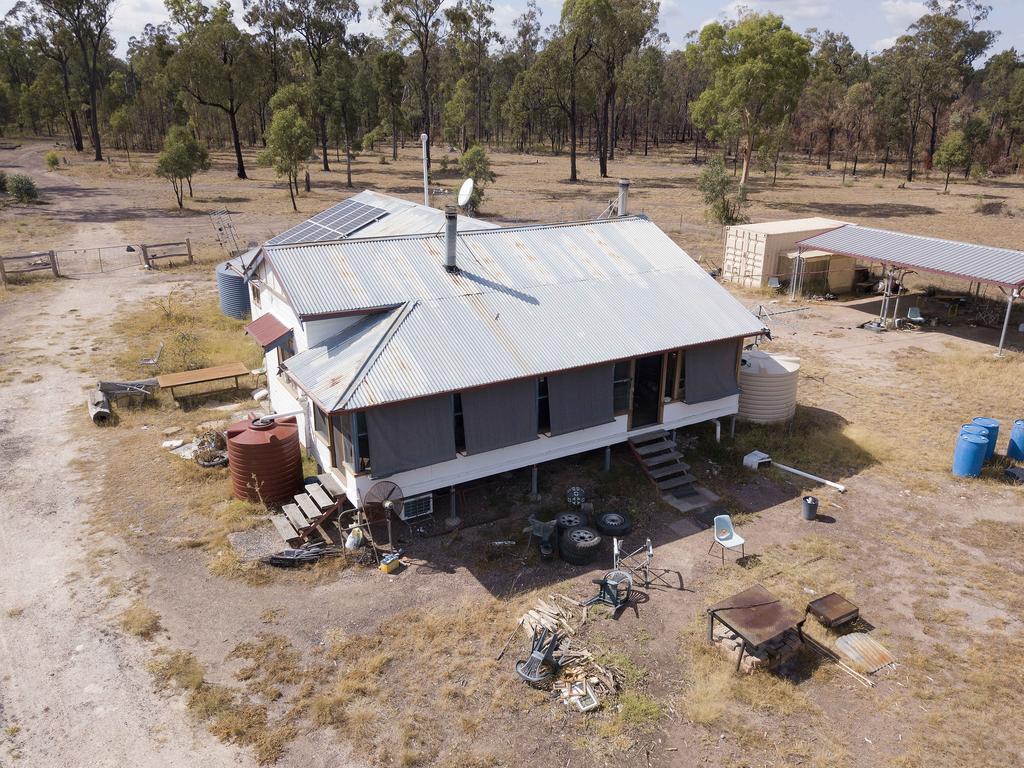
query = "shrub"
x=52 y=160
x=22 y=188
x=3 y=181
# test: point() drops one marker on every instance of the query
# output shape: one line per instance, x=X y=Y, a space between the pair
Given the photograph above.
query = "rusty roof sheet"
x=864 y=652
x=970 y=261
x=267 y=330
x=359 y=274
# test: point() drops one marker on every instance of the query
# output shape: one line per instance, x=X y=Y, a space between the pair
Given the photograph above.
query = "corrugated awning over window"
x=268 y=331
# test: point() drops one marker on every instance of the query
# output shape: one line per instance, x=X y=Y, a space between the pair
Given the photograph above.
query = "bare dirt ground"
x=341 y=667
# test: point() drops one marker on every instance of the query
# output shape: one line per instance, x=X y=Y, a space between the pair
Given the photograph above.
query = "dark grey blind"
x=499 y=415
x=411 y=434
x=581 y=398
x=711 y=371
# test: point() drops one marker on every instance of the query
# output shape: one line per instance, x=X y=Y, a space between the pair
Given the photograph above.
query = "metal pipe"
x=426 y=174
x=838 y=486
x=1006 y=319
x=450 y=238
x=622 y=207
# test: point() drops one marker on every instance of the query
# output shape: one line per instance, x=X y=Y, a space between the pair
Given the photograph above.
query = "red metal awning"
x=268 y=331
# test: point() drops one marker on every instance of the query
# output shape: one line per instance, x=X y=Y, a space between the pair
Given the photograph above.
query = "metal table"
x=757 y=616
x=833 y=610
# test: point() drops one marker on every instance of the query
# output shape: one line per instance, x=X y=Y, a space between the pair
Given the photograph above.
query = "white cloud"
x=902 y=13
x=882 y=44
x=803 y=10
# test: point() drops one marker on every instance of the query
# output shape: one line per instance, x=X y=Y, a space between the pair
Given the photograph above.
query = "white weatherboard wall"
x=462 y=469
x=756 y=252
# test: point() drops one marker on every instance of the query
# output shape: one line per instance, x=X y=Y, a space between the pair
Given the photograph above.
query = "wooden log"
x=99 y=407
x=53 y=264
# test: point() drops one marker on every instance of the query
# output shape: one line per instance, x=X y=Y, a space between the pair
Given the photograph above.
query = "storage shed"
x=754 y=253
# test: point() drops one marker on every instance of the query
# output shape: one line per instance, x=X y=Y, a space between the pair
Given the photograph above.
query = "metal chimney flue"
x=450 y=238
x=426 y=171
x=623 y=205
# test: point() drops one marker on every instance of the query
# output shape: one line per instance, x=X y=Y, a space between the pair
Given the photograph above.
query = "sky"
x=871 y=24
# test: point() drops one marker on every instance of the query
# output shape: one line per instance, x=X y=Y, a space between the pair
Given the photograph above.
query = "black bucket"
x=810 y=507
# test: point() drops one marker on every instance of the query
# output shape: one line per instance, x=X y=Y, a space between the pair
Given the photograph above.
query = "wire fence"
x=97 y=261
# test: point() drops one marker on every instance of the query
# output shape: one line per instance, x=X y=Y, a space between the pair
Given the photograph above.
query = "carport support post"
x=1006 y=319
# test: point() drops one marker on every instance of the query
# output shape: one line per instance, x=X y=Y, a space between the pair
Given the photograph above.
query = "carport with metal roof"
x=1001 y=267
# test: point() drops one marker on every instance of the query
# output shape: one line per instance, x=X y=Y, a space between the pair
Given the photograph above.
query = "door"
x=646 y=391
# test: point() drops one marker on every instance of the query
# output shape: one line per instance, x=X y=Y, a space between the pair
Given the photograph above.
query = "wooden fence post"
x=3 y=272
x=53 y=264
x=145 y=257
x=188 y=245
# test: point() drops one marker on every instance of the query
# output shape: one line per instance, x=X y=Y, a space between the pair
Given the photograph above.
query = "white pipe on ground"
x=838 y=486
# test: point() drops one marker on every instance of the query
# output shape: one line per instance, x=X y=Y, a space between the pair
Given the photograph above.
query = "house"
x=452 y=353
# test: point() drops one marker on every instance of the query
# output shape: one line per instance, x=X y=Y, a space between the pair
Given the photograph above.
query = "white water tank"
x=768 y=387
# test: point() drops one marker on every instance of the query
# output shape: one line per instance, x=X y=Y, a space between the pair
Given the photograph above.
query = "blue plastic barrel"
x=969 y=455
x=992 y=425
x=974 y=429
x=1015 y=449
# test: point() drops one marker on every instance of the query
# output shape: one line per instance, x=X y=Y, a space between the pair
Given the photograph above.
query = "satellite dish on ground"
x=465 y=192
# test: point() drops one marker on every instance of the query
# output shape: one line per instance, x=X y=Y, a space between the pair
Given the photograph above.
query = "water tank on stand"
x=232 y=288
x=767 y=387
x=265 y=459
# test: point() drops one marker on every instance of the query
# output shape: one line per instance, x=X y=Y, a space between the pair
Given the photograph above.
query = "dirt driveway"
x=73 y=692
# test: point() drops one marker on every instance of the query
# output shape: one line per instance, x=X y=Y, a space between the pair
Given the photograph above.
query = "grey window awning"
x=500 y=415
x=581 y=398
x=411 y=434
x=711 y=371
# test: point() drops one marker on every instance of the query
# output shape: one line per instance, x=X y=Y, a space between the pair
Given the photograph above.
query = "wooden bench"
x=172 y=381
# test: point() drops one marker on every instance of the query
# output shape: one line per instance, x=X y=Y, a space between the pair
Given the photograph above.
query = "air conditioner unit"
x=416 y=507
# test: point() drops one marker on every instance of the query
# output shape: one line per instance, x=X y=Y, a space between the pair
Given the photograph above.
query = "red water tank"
x=265 y=459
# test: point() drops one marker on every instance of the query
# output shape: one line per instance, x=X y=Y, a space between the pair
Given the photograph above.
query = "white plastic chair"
x=726 y=536
x=914 y=315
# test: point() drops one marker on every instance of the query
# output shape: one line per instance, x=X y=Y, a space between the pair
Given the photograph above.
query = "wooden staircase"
x=308 y=515
x=663 y=464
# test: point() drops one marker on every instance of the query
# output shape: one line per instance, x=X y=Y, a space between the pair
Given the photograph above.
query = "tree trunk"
x=237 y=141
x=394 y=133
x=933 y=137
x=348 y=162
x=946 y=188
x=425 y=97
x=829 y=138
x=647 y=127
x=323 y=139
x=572 y=130
x=94 y=121
x=291 y=192
x=748 y=151
x=603 y=137
x=885 y=161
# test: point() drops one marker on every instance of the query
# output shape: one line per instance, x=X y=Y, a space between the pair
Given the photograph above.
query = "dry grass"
x=140 y=620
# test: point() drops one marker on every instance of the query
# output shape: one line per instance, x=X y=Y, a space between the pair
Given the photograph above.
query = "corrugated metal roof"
x=456 y=343
x=355 y=274
x=787 y=226
x=1001 y=266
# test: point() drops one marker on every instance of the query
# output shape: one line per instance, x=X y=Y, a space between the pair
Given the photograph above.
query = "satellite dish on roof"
x=465 y=192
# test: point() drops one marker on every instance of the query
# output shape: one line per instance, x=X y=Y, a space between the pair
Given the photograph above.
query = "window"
x=543 y=410
x=670 y=374
x=362 y=443
x=460 y=428
x=621 y=385
x=681 y=382
x=342 y=423
x=286 y=350
x=320 y=422
x=255 y=294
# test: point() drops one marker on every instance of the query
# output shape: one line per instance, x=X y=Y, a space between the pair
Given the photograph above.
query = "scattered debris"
x=99 y=407
x=172 y=444
x=614 y=589
x=307 y=553
x=171 y=431
x=211 y=449
x=864 y=652
x=260 y=394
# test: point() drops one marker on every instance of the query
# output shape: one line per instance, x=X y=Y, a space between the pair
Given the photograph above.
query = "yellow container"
x=390 y=564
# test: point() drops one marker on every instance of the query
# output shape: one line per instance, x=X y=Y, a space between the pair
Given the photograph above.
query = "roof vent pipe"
x=450 y=240
x=426 y=173
x=623 y=205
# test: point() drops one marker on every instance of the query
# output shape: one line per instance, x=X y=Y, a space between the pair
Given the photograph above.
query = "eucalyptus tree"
x=758 y=67
x=419 y=23
x=389 y=75
x=87 y=22
x=472 y=30
x=322 y=25
x=216 y=66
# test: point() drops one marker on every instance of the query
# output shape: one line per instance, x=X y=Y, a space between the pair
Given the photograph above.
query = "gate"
x=95 y=261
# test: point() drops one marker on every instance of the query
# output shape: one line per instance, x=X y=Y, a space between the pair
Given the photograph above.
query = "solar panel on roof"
x=336 y=223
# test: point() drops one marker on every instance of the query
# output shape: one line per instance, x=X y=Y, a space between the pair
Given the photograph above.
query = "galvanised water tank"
x=234 y=293
x=767 y=387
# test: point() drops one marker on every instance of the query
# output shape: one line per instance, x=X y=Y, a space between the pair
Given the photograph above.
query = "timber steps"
x=308 y=514
x=662 y=463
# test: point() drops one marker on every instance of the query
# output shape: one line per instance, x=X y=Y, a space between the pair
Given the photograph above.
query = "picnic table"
x=202 y=376
x=757 y=616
